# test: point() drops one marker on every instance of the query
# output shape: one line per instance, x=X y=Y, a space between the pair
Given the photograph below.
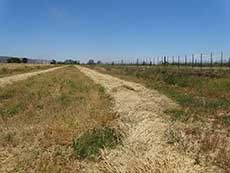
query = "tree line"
x=17 y=60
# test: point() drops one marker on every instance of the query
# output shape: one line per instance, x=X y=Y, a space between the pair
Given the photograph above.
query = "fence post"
x=229 y=63
x=165 y=60
x=137 y=62
x=211 y=60
x=185 y=60
x=192 y=60
x=178 y=63
x=201 y=60
x=222 y=55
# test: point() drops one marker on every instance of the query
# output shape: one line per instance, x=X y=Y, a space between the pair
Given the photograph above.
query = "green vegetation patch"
x=89 y=144
x=9 y=111
x=176 y=114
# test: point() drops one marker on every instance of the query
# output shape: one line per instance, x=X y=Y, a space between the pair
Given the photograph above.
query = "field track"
x=8 y=80
x=145 y=146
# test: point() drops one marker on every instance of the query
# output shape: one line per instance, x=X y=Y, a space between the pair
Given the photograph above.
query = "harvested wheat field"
x=14 y=69
x=75 y=119
x=42 y=118
x=10 y=79
x=115 y=86
x=145 y=147
x=199 y=125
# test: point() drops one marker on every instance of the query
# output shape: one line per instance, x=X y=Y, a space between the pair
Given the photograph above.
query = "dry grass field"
x=200 y=126
x=13 y=69
x=78 y=120
x=49 y=122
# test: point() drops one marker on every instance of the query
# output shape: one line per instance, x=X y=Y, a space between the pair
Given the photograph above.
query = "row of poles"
x=193 y=61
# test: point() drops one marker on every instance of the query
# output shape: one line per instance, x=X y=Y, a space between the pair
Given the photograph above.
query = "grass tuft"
x=89 y=144
x=176 y=114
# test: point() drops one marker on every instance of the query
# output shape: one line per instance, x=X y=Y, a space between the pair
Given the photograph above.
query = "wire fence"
x=191 y=61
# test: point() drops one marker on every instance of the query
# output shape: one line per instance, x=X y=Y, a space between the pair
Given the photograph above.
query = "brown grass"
x=40 y=117
x=201 y=124
x=13 y=69
x=141 y=120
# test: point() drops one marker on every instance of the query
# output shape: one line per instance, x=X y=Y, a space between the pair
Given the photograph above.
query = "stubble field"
x=114 y=119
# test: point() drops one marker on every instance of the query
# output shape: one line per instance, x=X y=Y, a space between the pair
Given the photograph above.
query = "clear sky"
x=113 y=28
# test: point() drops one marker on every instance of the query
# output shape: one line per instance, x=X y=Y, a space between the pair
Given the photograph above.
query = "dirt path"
x=9 y=80
x=145 y=146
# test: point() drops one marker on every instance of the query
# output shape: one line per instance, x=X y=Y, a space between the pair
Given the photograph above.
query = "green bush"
x=89 y=144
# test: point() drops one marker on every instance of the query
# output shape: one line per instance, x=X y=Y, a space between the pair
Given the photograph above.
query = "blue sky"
x=112 y=29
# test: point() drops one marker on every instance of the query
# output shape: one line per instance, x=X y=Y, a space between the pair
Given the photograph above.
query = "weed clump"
x=89 y=144
x=176 y=114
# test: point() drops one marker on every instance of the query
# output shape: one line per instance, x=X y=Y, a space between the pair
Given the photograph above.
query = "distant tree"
x=60 y=62
x=91 y=62
x=14 y=60
x=99 y=62
x=24 y=60
x=70 y=61
x=53 y=61
x=77 y=62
